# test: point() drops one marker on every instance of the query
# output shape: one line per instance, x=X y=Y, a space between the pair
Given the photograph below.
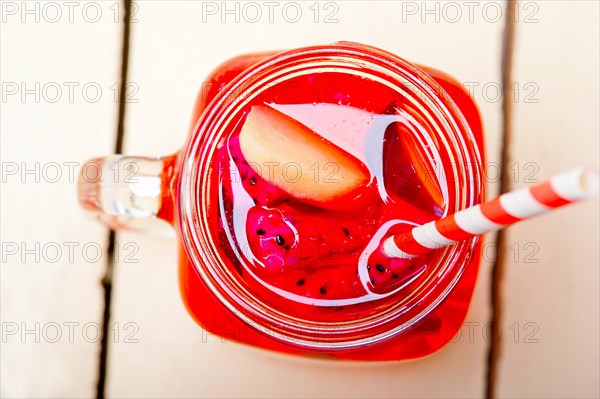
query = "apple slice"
x=300 y=162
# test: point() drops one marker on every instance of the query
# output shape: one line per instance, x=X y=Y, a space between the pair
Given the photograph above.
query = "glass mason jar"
x=217 y=285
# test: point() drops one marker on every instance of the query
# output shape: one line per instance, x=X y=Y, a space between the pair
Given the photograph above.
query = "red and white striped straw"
x=509 y=208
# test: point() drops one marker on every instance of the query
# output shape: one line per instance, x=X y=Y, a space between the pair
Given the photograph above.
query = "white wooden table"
x=550 y=290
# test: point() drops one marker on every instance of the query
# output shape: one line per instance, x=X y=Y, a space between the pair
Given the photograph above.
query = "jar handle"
x=129 y=193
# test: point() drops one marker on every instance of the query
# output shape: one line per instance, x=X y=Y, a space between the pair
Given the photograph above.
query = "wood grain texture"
x=57 y=297
x=555 y=289
x=173 y=356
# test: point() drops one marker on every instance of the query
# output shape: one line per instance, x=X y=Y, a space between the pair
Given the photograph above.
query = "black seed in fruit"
x=411 y=267
x=260 y=232
x=380 y=268
x=300 y=282
x=394 y=275
x=252 y=180
x=346 y=231
x=323 y=290
x=279 y=239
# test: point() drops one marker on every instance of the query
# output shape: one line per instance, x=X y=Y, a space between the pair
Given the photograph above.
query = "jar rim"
x=202 y=251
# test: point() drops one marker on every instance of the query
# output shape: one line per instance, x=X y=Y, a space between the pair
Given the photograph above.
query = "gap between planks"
x=118 y=149
x=506 y=63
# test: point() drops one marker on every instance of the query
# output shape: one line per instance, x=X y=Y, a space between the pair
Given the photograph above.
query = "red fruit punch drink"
x=300 y=163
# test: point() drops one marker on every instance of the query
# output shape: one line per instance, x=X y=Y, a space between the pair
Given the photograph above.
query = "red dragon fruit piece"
x=271 y=238
x=386 y=274
x=336 y=282
x=286 y=238
x=260 y=190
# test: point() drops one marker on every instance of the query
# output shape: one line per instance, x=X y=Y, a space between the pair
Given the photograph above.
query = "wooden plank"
x=551 y=286
x=54 y=58
x=173 y=357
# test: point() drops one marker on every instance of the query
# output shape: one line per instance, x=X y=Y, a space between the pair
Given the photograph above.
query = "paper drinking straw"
x=509 y=208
